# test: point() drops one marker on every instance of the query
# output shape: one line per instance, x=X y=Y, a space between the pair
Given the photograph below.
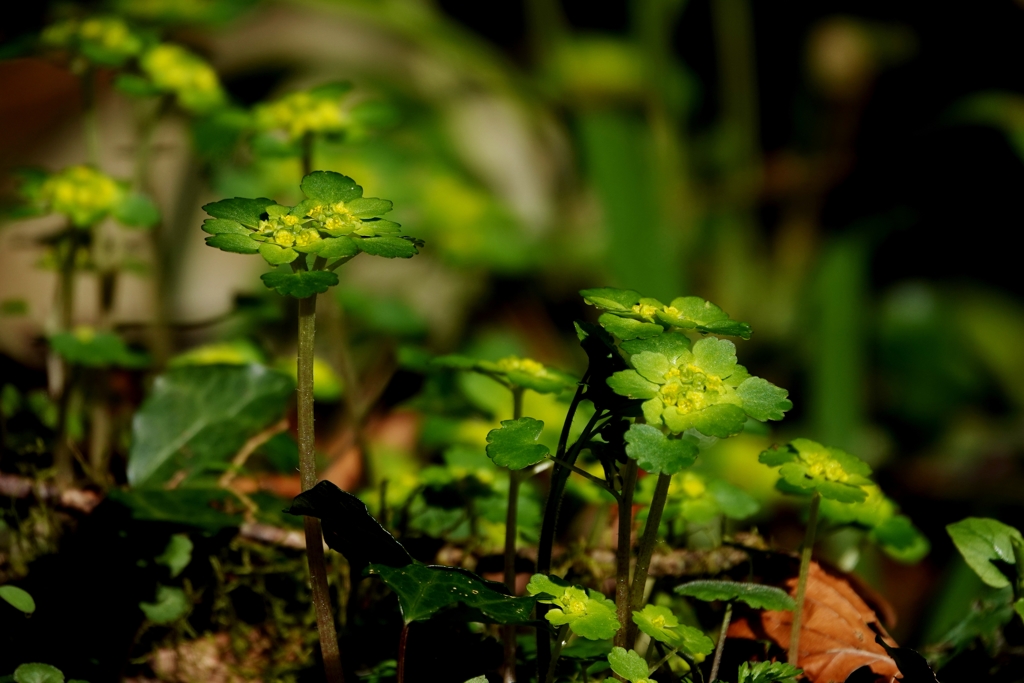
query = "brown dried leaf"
x=835 y=638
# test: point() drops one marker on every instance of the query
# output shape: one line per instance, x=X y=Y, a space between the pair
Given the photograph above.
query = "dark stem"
x=622 y=553
x=402 y=642
x=62 y=456
x=90 y=118
x=307 y=472
x=549 y=524
x=560 y=638
x=801 y=586
x=721 y=642
x=514 y=479
x=307 y=154
x=646 y=549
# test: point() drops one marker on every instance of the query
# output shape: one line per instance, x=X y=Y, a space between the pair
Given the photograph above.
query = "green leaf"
x=901 y=540
x=137 y=210
x=171 y=604
x=233 y=242
x=337 y=247
x=651 y=366
x=669 y=344
x=656 y=453
x=387 y=246
x=349 y=528
x=630 y=384
x=18 y=598
x=662 y=625
x=329 y=186
x=734 y=502
x=981 y=540
x=692 y=312
x=177 y=554
x=715 y=356
x=245 y=211
x=753 y=594
x=90 y=349
x=806 y=465
x=368 y=207
x=196 y=417
x=762 y=400
x=627 y=328
x=277 y=255
x=300 y=284
x=194 y=506
x=38 y=673
x=216 y=226
x=721 y=420
x=629 y=665
x=611 y=299
x=423 y=590
x=137 y=86
x=515 y=445
x=768 y=672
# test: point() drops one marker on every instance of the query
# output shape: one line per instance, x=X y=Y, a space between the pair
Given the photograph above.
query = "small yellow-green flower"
x=809 y=466
x=82 y=193
x=174 y=69
x=588 y=613
x=103 y=40
x=306 y=111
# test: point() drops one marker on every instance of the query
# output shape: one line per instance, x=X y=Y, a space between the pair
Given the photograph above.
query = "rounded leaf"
x=515 y=445
x=762 y=400
x=277 y=255
x=630 y=384
x=18 y=598
x=388 y=246
x=38 y=673
x=981 y=540
x=233 y=242
x=300 y=284
x=245 y=211
x=753 y=594
x=656 y=453
x=611 y=299
x=329 y=186
x=629 y=665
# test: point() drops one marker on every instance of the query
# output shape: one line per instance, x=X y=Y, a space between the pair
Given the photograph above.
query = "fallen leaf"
x=835 y=639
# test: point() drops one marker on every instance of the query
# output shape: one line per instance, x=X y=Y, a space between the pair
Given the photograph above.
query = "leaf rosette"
x=662 y=625
x=588 y=613
x=702 y=388
x=334 y=223
x=630 y=315
x=806 y=466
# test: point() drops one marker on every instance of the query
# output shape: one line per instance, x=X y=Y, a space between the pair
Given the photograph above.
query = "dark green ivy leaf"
x=753 y=594
x=300 y=284
x=514 y=445
x=349 y=528
x=424 y=590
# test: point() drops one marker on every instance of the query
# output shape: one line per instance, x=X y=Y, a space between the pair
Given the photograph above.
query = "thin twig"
x=720 y=646
x=801 y=589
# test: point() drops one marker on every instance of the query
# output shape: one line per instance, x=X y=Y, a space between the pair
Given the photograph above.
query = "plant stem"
x=801 y=586
x=402 y=641
x=307 y=472
x=721 y=642
x=514 y=479
x=90 y=119
x=622 y=587
x=560 y=637
x=646 y=549
x=307 y=154
x=62 y=457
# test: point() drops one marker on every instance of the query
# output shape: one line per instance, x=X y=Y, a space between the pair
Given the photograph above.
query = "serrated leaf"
x=424 y=590
x=170 y=605
x=387 y=246
x=768 y=672
x=662 y=625
x=329 y=186
x=630 y=384
x=692 y=312
x=337 y=247
x=762 y=400
x=721 y=420
x=18 y=598
x=216 y=226
x=277 y=255
x=195 y=417
x=177 y=554
x=378 y=226
x=300 y=284
x=611 y=299
x=629 y=665
x=670 y=344
x=715 y=356
x=233 y=242
x=137 y=210
x=656 y=453
x=38 y=673
x=244 y=211
x=368 y=207
x=349 y=528
x=753 y=594
x=627 y=328
x=981 y=540
x=514 y=445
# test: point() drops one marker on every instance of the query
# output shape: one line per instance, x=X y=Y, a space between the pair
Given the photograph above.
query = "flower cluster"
x=173 y=69
x=513 y=371
x=588 y=613
x=108 y=41
x=633 y=316
x=306 y=111
x=82 y=193
x=807 y=466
